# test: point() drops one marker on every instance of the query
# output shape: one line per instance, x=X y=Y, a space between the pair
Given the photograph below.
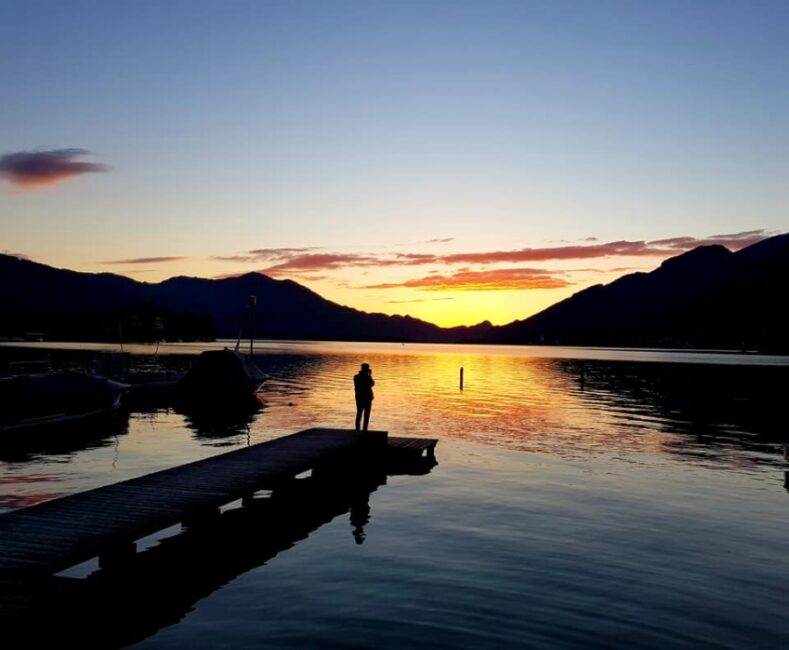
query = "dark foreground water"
x=594 y=499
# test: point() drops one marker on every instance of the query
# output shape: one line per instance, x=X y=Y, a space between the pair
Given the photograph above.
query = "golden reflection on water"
x=564 y=407
x=518 y=402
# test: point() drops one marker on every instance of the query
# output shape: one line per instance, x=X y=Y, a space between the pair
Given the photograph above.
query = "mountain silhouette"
x=64 y=304
x=708 y=298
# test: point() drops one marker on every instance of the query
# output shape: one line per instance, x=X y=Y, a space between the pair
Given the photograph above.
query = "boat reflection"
x=66 y=439
x=219 y=421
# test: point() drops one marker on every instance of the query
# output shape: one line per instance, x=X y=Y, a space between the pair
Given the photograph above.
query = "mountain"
x=708 y=297
x=64 y=304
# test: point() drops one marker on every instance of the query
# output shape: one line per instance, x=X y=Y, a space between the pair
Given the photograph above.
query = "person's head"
x=366 y=369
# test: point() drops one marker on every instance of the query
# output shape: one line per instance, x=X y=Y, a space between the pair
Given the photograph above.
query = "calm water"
x=590 y=498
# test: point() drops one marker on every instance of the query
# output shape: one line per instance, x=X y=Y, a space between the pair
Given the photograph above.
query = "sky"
x=455 y=161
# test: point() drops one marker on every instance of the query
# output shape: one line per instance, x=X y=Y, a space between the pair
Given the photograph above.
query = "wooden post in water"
x=461 y=377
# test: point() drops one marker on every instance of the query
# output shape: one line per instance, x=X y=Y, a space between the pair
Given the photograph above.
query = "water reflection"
x=722 y=414
x=138 y=595
x=726 y=416
x=216 y=422
x=711 y=411
x=66 y=440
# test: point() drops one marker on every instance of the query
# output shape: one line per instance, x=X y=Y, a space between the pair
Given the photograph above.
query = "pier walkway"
x=47 y=538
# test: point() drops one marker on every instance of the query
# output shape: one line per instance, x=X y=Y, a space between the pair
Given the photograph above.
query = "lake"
x=583 y=498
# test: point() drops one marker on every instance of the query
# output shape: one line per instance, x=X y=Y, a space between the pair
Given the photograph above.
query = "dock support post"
x=200 y=518
x=116 y=554
x=461 y=378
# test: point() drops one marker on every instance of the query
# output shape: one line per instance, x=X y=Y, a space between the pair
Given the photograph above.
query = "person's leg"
x=367 y=408
x=359 y=407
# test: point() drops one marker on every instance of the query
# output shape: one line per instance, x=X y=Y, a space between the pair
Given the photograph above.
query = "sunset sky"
x=455 y=161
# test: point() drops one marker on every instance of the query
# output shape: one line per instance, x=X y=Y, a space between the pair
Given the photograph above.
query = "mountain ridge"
x=708 y=297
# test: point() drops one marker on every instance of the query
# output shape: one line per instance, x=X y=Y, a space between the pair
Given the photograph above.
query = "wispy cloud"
x=281 y=252
x=405 y=302
x=469 y=268
x=551 y=253
x=734 y=241
x=312 y=262
x=298 y=261
x=416 y=259
x=265 y=254
x=623 y=248
x=616 y=269
x=36 y=169
x=490 y=280
x=145 y=260
x=440 y=240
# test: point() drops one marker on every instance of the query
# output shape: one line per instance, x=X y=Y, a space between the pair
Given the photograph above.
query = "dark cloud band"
x=145 y=260
x=33 y=169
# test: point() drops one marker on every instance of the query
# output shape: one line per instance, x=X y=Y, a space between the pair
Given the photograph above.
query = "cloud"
x=300 y=262
x=416 y=259
x=491 y=280
x=145 y=260
x=440 y=240
x=313 y=278
x=311 y=262
x=733 y=241
x=623 y=248
x=265 y=254
x=277 y=253
x=551 y=253
x=404 y=302
x=616 y=269
x=34 y=169
x=235 y=258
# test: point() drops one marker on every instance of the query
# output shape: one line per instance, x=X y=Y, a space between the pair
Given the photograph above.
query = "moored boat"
x=218 y=377
x=46 y=402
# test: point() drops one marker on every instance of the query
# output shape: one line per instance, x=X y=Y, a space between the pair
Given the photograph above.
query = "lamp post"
x=252 y=303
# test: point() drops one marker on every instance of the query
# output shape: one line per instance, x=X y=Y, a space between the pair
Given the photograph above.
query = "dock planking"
x=415 y=445
x=49 y=537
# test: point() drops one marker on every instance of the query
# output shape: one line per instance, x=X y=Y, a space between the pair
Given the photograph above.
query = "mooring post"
x=116 y=554
x=461 y=377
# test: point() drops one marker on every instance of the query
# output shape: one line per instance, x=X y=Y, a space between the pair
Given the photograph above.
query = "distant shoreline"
x=268 y=346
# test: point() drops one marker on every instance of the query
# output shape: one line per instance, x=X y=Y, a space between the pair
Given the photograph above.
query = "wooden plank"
x=394 y=441
x=412 y=443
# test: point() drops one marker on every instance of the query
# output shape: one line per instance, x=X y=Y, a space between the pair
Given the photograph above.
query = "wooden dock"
x=47 y=538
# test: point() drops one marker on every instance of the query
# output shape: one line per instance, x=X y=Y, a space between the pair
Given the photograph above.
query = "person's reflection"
x=360 y=517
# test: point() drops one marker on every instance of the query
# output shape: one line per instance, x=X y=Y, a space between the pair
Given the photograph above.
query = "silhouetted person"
x=363 y=389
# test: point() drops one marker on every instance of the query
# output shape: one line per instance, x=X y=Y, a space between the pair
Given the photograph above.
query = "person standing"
x=363 y=383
